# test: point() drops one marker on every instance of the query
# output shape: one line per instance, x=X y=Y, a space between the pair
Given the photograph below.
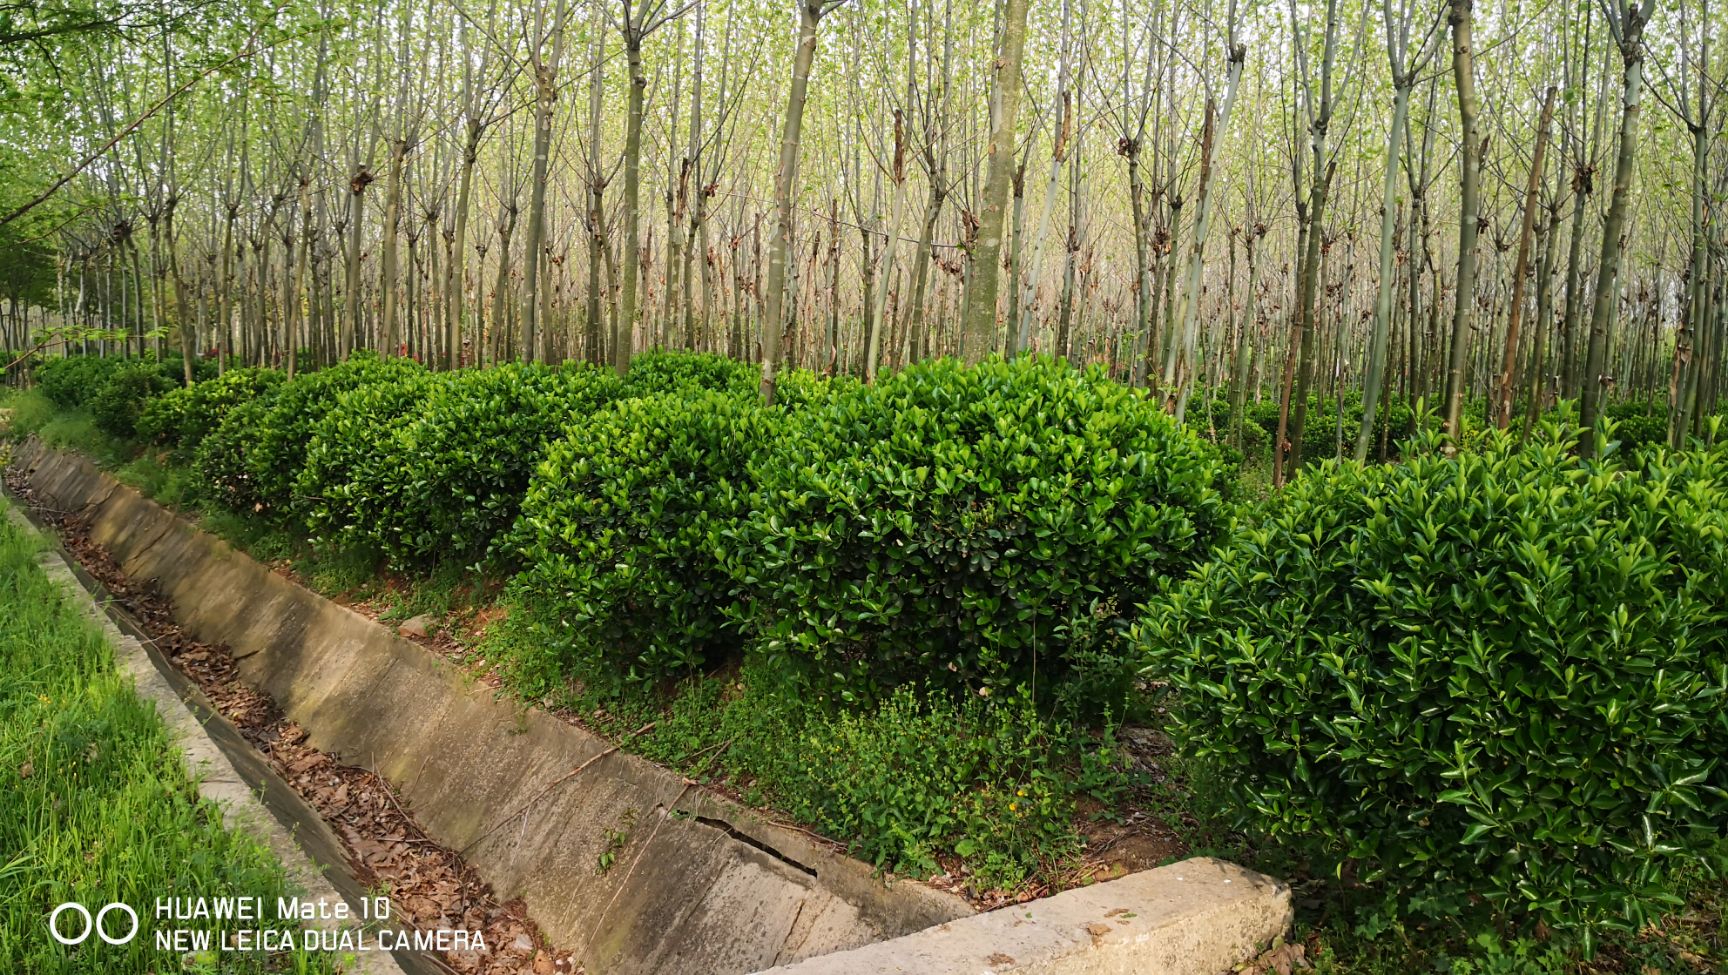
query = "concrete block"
x=1198 y=917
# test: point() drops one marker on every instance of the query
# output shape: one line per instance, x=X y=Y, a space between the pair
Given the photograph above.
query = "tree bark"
x=978 y=319
x=1521 y=266
x=1470 y=162
x=785 y=184
x=1630 y=35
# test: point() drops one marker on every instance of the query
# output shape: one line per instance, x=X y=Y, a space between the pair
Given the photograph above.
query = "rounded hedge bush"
x=1394 y=422
x=75 y=379
x=208 y=402
x=976 y=527
x=224 y=459
x=1639 y=423
x=466 y=456
x=347 y=486
x=622 y=533
x=276 y=460
x=116 y=405
x=163 y=417
x=801 y=389
x=1493 y=681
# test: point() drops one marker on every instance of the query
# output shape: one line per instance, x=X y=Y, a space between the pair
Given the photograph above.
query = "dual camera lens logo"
x=99 y=924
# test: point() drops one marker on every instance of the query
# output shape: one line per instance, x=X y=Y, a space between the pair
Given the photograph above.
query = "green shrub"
x=1639 y=423
x=164 y=417
x=1394 y=422
x=117 y=404
x=224 y=460
x=668 y=372
x=1215 y=425
x=466 y=457
x=920 y=774
x=73 y=380
x=801 y=389
x=209 y=401
x=1495 y=677
x=621 y=533
x=974 y=527
x=172 y=367
x=347 y=484
x=279 y=456
x=1263 y=412
x=1323 y=439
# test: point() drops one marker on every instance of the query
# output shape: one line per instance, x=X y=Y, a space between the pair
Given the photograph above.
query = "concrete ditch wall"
x=702 y=885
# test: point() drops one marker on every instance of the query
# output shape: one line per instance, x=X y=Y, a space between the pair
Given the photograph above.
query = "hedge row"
x=971 y=528
x=1486 y=683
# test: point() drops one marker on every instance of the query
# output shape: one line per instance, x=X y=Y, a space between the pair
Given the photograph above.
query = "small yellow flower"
x=1021 y=793
x=1012 y=806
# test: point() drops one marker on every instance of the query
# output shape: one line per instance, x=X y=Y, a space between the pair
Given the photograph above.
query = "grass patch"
x=66 y=428
x=920 y=782
x=95 y=805
x=155 y=476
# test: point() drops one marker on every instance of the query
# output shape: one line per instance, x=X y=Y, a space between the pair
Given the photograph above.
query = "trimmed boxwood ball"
x=73 y=380
x=278 y=457
x=348 y=485
x=1490 y=683
x=975 y=527
x=207 y=403
x=466 y=456
x=1639 y=423
x=622 y=533
x=801 y=389
x=224 y=459
x=163 y=417
x=116 y=405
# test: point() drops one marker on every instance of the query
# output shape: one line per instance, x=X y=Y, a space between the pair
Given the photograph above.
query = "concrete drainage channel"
x=531 y=802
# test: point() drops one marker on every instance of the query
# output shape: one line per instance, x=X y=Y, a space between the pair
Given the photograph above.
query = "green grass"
x=34 y=413
x=911 y=784
x=95 y=805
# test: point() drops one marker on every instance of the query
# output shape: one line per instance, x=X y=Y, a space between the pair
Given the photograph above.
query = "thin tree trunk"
x=534 y=242
x=1371 y=381
x=978 y=318
x=1520 y=267
x=785 y=183
x=1470 y=162
x=624 y=326
x=890 y=248
x=1631 y=40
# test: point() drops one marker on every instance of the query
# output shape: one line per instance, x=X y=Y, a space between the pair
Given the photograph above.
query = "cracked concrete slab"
x=1196 y=917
